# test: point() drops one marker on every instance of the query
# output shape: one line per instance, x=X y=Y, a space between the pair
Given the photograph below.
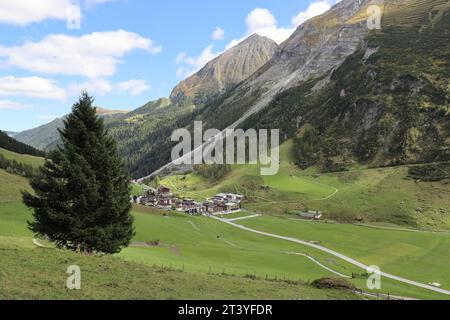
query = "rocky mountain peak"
x=226 y=70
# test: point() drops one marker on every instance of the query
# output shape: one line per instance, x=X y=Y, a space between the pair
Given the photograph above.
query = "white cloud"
x=92 y=55
x=218 y=34
x=315 y=9
x=34 y=87
x=191 y=65
x=259 y=19
x=262 y=22
x=25 y=12
x=47 y=118
x=101 y=87
x=90 y=3
x=10 y=105
x=93 y=86
x=134 y=87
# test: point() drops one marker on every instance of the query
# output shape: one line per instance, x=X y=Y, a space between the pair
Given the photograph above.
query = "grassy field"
x=22 y=158
x=136 y=190
x=11 y=186
x=37 y=273
x=139 y=272
x=202 y=246
x=421 y=256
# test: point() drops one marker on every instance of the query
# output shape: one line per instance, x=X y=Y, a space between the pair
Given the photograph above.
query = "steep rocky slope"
x=227 y=70
x=144 y=134
x=346 y=93
x=317 y=46
x=387 y=104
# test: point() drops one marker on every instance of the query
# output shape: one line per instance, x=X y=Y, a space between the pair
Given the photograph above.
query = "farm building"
x=311 y=215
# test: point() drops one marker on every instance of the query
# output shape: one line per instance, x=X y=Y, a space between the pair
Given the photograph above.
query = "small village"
x=162 y=198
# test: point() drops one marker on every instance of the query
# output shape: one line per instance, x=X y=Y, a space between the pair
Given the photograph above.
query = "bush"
x=333 y=283
x=431 y=172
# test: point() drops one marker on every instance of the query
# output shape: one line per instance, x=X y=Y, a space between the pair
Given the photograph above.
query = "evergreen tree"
x=82 y=193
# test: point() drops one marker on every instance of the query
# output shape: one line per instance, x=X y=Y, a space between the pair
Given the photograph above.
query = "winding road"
x=336 y=254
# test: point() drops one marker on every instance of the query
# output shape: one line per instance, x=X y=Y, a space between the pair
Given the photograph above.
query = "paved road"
x=337 y=254
x=244 y=218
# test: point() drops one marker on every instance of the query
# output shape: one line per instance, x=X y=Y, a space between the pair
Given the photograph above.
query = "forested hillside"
x=8 y=143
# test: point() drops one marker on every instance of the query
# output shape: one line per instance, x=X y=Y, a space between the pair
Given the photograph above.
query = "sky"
x=125 y=53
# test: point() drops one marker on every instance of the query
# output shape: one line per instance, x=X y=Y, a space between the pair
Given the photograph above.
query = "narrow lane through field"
x=336 y=254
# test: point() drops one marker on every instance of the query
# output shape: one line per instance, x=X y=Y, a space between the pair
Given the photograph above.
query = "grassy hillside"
x=200 y=246
x=192 y=244
x=29 y=272
x=361 y=195
x=36 y=273
x=422 y=256
x=147 y=275
x=10 y=186
x=22 y=158
x=11 y=144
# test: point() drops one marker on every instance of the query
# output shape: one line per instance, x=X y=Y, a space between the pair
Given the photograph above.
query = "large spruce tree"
x=82 y=193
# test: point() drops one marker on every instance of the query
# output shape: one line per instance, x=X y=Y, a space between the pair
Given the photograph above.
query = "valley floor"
x=217 y=258
x=209 y=250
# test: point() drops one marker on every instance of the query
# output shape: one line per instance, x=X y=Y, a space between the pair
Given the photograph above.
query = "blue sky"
x=125 y=52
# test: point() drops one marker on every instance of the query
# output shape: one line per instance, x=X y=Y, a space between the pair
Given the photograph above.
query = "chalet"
x=234 y=197
x=196 y=209
x=162 y=198
x=164 y=192
x=217 y=208
x=164 y=204
x=311 y=215
x=232 y=207
x=220 y=198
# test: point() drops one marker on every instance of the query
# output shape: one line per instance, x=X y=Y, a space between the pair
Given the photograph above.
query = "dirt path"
x=319 y=264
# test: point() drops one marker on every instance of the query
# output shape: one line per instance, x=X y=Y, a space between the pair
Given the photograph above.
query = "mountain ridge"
x=228 y=69
x=46 y=136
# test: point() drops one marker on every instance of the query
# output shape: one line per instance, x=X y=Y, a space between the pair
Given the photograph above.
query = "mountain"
x=46 y=136
x=41 y=136
x=348 y=94
x=10 y=144
x=317 y=46
x=10 y=133
x=386 y=104
x=344 y=93
x=227 y=70
x=144 y=135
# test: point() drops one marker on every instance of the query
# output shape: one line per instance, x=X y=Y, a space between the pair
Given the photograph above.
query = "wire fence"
x=267 y=277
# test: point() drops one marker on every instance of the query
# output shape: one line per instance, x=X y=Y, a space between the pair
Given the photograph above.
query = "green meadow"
x=22 y=158
x=33 y=273
x=200 y=246
x=421 y=256
x=184 y=251
x=11 y=186
x=383 y=196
